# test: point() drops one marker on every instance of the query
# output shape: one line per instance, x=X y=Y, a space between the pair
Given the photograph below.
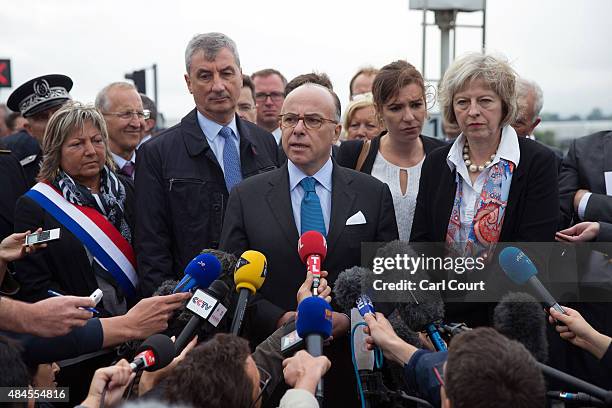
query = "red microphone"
x=154 y=353
x=312 y=249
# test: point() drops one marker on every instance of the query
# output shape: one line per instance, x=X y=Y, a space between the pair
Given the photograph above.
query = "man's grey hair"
x=524 y=86
x=102 y=101
x=211 y=44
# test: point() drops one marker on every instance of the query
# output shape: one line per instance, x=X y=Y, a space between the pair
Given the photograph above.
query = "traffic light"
x=5 y=73
x=140 y=80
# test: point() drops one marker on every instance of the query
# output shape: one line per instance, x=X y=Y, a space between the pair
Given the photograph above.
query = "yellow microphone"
x=249 y=275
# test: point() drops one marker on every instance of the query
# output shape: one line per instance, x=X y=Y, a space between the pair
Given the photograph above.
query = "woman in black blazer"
x=396 y=157
x=78 y=167
x=489 y=186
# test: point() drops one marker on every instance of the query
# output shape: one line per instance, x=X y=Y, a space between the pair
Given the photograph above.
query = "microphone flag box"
x=202 y=304
x=217 y=315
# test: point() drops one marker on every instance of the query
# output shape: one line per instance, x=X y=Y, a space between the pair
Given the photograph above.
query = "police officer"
x=37 y=100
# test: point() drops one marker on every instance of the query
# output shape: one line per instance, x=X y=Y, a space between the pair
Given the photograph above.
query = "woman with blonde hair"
x=489 y=186
x=360 y=120
x=79 y=193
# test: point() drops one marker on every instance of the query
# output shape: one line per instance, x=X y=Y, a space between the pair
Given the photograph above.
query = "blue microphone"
x=200 y=272
x=314 y=324
x=521 y=270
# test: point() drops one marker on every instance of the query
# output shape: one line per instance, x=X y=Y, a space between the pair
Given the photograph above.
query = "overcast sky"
x=564 y=45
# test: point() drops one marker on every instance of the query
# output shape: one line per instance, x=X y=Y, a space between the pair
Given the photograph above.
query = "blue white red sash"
x=100 y=237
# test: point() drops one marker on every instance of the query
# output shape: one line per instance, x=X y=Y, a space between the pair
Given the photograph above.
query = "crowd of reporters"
x=133 y=213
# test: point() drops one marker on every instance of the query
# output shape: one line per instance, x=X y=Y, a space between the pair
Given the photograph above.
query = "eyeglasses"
x=264 y=380
x=290 y=120
x=275 y=96
x=145 y=114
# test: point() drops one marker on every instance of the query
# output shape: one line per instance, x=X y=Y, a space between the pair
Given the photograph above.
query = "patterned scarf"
x=111 y=198
x=489 y=214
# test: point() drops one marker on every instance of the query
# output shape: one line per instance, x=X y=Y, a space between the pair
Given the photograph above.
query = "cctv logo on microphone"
x=202 y=304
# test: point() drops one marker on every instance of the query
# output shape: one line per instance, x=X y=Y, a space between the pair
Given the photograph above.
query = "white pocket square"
x=356 y=219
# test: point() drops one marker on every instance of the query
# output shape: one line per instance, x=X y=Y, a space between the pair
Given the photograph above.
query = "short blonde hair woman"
x=360 y=120
x=77 y=165
x=489 y=186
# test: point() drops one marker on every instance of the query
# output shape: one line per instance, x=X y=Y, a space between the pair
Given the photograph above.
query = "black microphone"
x=420 y=309
x=578 y=384
x=207 y=306
x=512 y=320
x=426 y=310
x=520 y=317
x=521 y=270
x=578 y=397
x=154 y=353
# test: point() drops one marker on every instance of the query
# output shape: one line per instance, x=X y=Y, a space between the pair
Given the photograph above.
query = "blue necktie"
x=231 y=160
x=311 y=215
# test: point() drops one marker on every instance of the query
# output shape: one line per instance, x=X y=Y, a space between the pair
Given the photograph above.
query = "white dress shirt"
x=217 y=143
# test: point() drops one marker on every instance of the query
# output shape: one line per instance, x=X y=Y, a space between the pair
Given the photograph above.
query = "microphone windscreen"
x=219 y=289
x=430 y=309
x=227 y=260
x=348 y=286
x=314 y=316
x=250 y=271
x=180 y=316
x=312 y=243
x=520 y=317
x=163 y=350
x=516 y=265
x=204 y=268
x=403 y=331
x=420 y=307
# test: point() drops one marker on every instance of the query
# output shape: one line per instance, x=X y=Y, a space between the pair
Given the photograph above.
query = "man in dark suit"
x=183 y=178
x=584 y=193
x=586 y=196
x=268 y=213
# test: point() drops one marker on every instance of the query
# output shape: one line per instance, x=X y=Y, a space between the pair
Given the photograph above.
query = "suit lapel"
x=444 y=208
x=514 y=198
x=342 y=203
x=279 y=200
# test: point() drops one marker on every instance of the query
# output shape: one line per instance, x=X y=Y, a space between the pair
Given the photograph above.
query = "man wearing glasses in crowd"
x=125 y=118
x=245 y=108
x=269 y=96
